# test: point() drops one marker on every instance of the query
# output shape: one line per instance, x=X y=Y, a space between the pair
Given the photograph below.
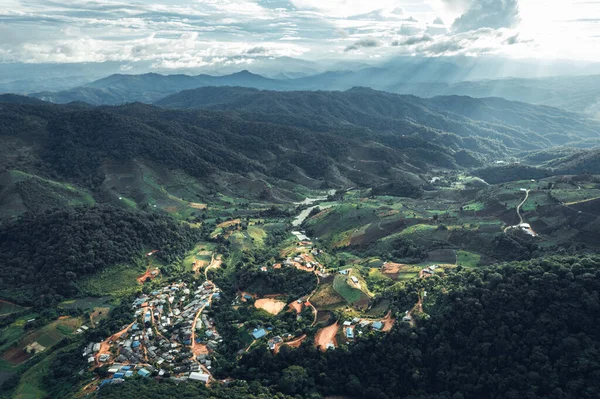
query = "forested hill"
x=43 y=256
x=514 y=124
x=359 y=137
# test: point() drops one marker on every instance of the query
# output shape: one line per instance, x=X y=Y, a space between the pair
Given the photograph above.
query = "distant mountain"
x=573 y=93
x=18 y=99
x=516 y=126
x=421 y=77
x=119 y=89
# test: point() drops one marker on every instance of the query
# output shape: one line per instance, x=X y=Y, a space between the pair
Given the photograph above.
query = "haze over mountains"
x=573 y=93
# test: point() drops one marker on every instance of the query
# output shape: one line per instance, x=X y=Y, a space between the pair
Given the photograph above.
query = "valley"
x=344 y=256
x=206 y=249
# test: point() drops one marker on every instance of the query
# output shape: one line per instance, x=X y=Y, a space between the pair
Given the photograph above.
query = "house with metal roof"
x=258 y=333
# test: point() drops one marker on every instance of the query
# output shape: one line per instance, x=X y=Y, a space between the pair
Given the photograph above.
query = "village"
x=171 y=336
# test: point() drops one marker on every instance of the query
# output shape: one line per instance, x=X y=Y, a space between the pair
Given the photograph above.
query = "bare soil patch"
x=15 y=356
x=142 y=279
x=388 y=322
x=393 y=270
x=295 y=306
x=326 y=336
x=270 y=305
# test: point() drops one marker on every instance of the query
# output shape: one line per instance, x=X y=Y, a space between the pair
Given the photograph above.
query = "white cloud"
x=201 y=33
x=345 y=8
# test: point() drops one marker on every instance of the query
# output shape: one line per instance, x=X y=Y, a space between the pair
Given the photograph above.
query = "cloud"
x=488 y=14
x=344 y=8
x=411 y=41
x=257 y=50
x=438 y=21
x=364 y=43
x=409 y=29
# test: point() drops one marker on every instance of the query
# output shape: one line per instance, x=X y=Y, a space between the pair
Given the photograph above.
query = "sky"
x=176 y=34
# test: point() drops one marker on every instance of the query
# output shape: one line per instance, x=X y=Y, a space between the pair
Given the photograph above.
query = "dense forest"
x=42 y=256
x=293 y=282
x=359 y=137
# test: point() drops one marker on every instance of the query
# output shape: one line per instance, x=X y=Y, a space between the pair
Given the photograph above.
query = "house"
x=104 y=357
x=196 y=376
x=347 y=323
x=345 y=271
x=349 y=333
x=258 y=333
x=96 y=347
x=144 y=372
x=407 y=318
x=377 y=325
x=354 y=279
x=330 y=346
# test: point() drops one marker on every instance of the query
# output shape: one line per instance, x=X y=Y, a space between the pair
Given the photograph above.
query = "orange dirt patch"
x=200 y=349
x=295 y=306
x=105 y=346
x=242 y=294
x=388 y=322
x=142 y=279
x=15 y=356
x=170 y=209
x=292 y=344
x=277 y=266
x=388 y=213
x=326 y=336
x=296 y=342
x=392 y=270
x=63 y=317
x=303 y=268
x=229 y=223
x=199 y=264
x=270 y=305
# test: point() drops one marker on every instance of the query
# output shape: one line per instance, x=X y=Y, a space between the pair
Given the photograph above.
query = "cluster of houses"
x=357 y=326
x=168 y=323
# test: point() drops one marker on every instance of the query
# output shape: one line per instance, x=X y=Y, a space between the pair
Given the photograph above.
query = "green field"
x=200 y=252
x=7 y=308
x=342 y=287
x=117 y=280
x=31 y=385
x=467 y=259
x=326 y=298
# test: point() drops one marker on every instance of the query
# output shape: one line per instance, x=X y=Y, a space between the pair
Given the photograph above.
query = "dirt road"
x=519 y=210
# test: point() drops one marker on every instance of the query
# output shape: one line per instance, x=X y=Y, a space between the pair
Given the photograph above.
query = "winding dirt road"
x=519 y=210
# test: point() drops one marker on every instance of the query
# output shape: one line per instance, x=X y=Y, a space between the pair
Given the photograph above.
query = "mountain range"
x=271 y=144
x=572 y=93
